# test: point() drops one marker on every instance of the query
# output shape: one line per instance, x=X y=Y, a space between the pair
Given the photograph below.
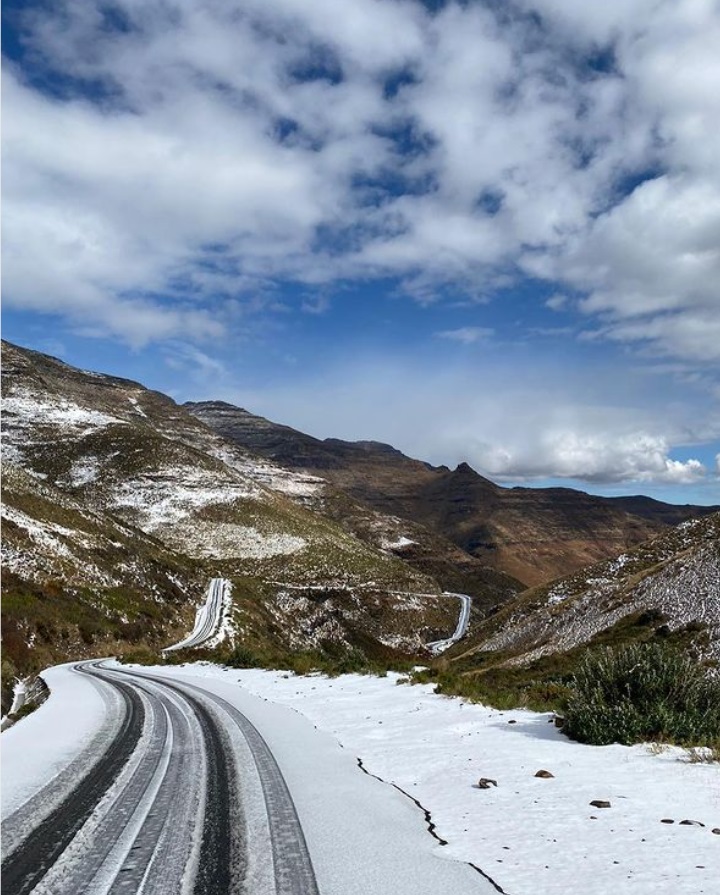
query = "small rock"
x=543 y=773
x=486 y=783
x=600 y=803
x=667 y=820
x=716 y=831
x=512 y=721
x=691 y=823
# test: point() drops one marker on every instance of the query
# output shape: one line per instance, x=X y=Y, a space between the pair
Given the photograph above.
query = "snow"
x=213 y=618
x=84 y=471
x=37 y=748
x=227 y=540
x=226 y=629
x=30 y=410
x=136 y=406
x=20 y=690
x=47 y=554
x=176 y=493
x=364 y=837
x=44 y=534
x=439 y=646
x=397 y=544
x=530 y=834
x=276 y=478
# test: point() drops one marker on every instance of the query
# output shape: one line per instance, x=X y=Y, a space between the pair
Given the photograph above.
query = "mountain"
x=531 y=534
x=119 y=505
x=666 y=588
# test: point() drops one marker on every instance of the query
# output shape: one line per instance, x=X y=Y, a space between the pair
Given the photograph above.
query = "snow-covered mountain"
x=666 y=588
x=118 y=505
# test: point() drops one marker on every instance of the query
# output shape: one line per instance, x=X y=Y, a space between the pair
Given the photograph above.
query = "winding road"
x=208 y=618
x=188 y=798
x=439 y=646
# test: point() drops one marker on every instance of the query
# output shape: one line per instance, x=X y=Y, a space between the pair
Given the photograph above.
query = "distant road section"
x=209 y=617
x=439 y=646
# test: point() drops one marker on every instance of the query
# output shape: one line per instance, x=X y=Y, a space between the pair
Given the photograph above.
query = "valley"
x=119 y=505
x=199 y=544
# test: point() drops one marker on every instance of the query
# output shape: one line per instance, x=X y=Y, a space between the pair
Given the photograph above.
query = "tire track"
x=294 y=873
x=31 y=860
x=151 y=831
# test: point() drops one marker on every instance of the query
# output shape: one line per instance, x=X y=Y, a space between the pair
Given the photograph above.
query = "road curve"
x=439 y=646
x=188 y=798
x=208 y=618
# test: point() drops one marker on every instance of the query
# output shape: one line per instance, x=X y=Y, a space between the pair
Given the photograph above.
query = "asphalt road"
x=187 y=798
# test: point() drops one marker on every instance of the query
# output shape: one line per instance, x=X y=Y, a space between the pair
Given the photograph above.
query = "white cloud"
x=116 y=209
x=592 y=456
x=557 y=302
x=467 y=335
x=512 y=422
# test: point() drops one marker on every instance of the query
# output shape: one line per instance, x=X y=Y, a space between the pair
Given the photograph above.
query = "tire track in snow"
x=173 y=821
x=29 y=862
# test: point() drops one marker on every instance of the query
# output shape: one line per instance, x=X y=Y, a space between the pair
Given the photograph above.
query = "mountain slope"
x=668 y=587
x=532 y=534
x=119 y=505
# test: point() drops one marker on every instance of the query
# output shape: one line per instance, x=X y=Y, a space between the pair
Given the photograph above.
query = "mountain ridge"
x=532 y=534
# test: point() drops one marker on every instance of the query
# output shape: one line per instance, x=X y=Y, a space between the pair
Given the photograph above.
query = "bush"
x=243 y=657
x=642 y=692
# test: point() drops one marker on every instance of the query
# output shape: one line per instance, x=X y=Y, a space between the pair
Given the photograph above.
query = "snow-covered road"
x=180 y=783
x=439 y=646
x=209 y=617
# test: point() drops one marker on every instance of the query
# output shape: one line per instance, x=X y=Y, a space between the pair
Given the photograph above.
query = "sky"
x=484 y=232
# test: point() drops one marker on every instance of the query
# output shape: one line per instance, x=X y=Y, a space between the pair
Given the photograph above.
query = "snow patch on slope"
x=84 y=471
x=276 y=478
x=26 y=410
x=176 y=493
x=227 y=540
x=677 y=574
x=398 y=544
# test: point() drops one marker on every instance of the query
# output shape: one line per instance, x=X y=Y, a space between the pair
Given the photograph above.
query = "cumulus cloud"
x=191 y=156
x=591 y=456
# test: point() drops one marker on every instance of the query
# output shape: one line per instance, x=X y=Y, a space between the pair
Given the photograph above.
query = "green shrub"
x=243 y=657
x=642 y=692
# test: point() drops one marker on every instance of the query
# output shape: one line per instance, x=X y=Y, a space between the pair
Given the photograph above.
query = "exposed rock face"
x=532 y=534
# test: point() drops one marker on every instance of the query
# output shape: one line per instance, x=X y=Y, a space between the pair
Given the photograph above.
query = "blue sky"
x=479 y=231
